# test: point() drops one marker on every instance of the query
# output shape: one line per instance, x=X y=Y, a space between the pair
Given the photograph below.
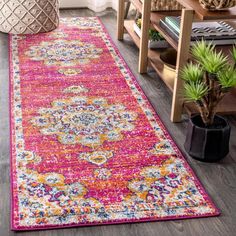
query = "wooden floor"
x=219 y=179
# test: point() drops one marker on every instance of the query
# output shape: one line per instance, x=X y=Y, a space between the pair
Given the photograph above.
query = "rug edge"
x=118 y=222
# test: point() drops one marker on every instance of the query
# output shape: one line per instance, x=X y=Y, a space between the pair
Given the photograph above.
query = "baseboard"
x=94 y=5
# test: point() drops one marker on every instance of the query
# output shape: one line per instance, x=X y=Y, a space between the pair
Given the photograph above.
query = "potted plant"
x=156 y=39
x=205 y=84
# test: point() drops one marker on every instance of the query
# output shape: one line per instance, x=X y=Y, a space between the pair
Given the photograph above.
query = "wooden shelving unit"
x=192 y=11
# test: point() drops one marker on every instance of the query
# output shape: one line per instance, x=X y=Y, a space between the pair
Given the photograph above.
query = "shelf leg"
x=143 y=53
x=183 y=55
x=120 y=19
x=127 y=7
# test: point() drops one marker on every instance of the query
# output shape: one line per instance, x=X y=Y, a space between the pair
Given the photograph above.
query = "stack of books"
x=220 y=33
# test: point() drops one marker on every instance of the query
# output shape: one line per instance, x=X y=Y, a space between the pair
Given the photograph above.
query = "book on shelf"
x=221 y=33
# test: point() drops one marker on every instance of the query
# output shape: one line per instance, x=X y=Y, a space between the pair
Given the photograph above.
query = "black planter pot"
x=207 y=144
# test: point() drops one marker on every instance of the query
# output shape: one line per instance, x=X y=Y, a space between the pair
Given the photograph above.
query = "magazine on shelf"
x=200 y=31
x=206 y=29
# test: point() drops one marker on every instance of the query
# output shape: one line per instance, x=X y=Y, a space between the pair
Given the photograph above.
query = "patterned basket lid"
x=28 y=16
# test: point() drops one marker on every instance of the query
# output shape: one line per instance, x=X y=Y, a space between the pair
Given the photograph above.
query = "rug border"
x=158 y=120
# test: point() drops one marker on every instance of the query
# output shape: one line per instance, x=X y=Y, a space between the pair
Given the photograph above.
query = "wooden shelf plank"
x=203 y=14
x=226 y=106
x=155 y=20
x=167 y=76
x=137 y=4
x=130 y=30
x=154 y=57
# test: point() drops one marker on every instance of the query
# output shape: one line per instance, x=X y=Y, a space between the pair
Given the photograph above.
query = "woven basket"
x=28 y=16
x=217 y=4
x=165 y=5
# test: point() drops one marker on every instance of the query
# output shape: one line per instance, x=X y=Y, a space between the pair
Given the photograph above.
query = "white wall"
x=95 y=5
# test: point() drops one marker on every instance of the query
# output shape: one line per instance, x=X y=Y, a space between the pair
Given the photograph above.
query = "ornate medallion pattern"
x=85 y=120
x=62 y=52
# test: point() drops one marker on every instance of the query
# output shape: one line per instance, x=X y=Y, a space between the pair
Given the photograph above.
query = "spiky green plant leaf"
x=195 y=91
x=192 y=72
x=214 y=62
x=200 y=49
x=227 y=77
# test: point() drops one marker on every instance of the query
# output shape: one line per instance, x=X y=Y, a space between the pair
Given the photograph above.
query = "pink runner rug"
x=87 y=148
